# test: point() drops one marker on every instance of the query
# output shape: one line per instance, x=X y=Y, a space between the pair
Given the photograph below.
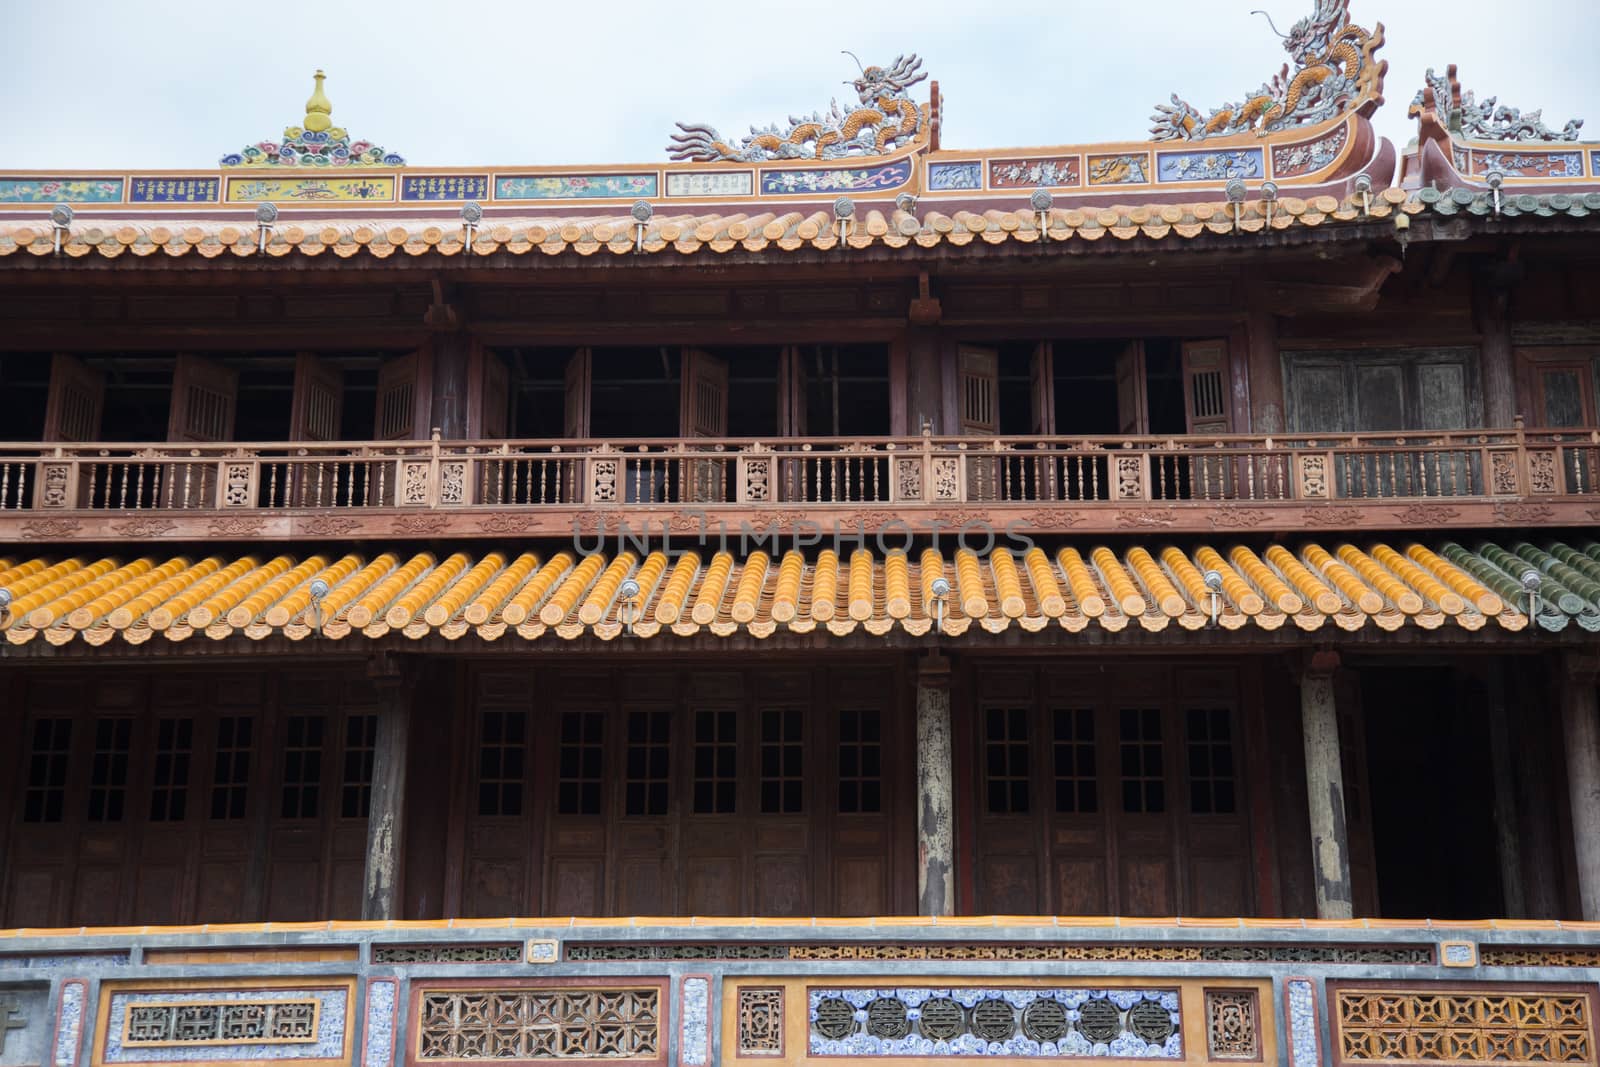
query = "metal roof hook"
x=940 y=588
x=1495 y=179
x=1213 y=581
x=1532 y=581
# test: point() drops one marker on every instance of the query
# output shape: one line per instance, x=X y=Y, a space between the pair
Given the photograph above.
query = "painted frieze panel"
x=1030 y=952
x=538 y=1023
x=253 y=190
x=444 y=187
x=147 y=1023
x=60 y=190
x=25 y=1024
x=1128 y=169
x=1308 y=157
x=711 y=183
x=1008 y=1022
x=173 y=190
x=1427 y=1024
x=574 y=186
x=1053 y=171
x=1523 y=164
x=1218 y=165
x=852 y=179
x=949 y=177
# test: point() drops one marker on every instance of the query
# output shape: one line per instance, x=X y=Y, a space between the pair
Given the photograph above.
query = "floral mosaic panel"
x=444 y=187
x=978 y=1021
x=1294 y=160
x=1217 y=165
x=161 y=1026
x=1119 y=170
x=1031 y=173
x=60 y=190
x=852 y=179
x=574 y=186
x=715 y=183
x=310 y=190
x=944 y=177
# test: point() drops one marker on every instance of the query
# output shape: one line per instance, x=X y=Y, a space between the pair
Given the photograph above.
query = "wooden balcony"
x=1082 y=485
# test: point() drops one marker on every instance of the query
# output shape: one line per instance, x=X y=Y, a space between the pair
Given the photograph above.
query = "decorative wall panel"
x=694 y=1011
x=1072 y=952
x=309 y=190
x=980 y=1021
x=486 y=952
x=69 y=1021
x=24 y=1024
x=1496 y=956
x=188 y=1023
x=760 y=1021
x=574 y=186
x=377 y=1043
x=1233 y=1028
x=1300 y=1006
x=1430 y=1025
x=538 y=1023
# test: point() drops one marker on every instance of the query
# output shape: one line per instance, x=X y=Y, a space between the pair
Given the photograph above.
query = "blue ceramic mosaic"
x=1217 y=165
x=693 y=1041
x=379 y=1049
x=444 y=187
x=1302 y=1022
x=948 y=176
x=844 y=180
x=174 y=190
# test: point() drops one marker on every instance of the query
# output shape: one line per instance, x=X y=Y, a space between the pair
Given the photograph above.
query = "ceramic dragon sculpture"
x=1489 y=120
x=1333 y=65
x=887 y=118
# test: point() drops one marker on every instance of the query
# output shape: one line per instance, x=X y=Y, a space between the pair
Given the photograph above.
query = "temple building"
x=829 y=595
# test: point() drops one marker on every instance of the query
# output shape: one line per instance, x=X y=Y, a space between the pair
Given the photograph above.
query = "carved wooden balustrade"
x=912 y=473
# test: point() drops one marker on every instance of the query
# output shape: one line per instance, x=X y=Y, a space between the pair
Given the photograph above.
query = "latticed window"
x=860 y=762
x=649 y=762
x=230 y=767
x=782 y=761
x=1209 y=739
x=108 y=770
x=302 y=765
x=1072 y=752
x=502 y=759
x=1005 y=750
x=1144 y=787
x=169 y=771
x=360 y=748
x=581 y=761
x=716 y=762
x=46 y=795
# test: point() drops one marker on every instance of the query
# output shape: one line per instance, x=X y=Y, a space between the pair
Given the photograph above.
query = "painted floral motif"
x=1522 y=165
x=953 y=176
x=310 y=189
x=1030 y=173
x=1293 y=160
x=574 y=186
x=830 y=181
x=307 y=148
x=1119 y=170
x=1209 y=166
x=60 y=190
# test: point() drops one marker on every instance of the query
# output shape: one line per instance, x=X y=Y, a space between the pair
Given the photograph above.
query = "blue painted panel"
x=1204 y=166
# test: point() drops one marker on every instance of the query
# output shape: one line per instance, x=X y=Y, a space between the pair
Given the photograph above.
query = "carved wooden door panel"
x=715 y=838
x=1208 y=413
x=318 y=399
x=76 y=401
x=579 y=724
x=644 y=858
x=859 y=718
x=1133 y=409
x=1076 y=749
x=1142 y=737
x=978 y=377
x=503 y=866
x=1215 y=844
x=786 y=740
x=703 y=412
x=1011 y=861
x=398 y=416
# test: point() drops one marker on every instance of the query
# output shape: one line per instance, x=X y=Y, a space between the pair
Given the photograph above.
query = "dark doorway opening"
x=25 y=383
x=1428 y=762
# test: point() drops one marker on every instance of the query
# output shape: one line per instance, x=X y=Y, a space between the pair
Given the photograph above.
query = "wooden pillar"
x=936 y=893
x=1491 y=302
x=1508 y=841
x=1532 y=695
x=1266 y=373
x=1330 y=840
x=1580 y=718
x=386 y=814
x=452 y=356
x=924 y=397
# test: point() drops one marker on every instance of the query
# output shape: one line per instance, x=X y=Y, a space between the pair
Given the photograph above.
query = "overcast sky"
x=176 y=83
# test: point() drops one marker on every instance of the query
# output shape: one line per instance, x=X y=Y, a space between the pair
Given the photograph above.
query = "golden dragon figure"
x=887 y=118
x=1333 y=67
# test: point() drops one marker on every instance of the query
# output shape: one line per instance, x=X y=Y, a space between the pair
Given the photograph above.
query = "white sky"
x=176 y=83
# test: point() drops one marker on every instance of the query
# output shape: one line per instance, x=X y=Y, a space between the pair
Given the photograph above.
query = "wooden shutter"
x=1042 y=376
x=396 y=417
x=318 y=400
x=205 y=395
x=1560 y=393
x=579 y=386
x=1133 y=411
x=77 y=400
x=703 y=411
x=794 y=386
x=1205 y=387
x=488 y=395
x=979 y=370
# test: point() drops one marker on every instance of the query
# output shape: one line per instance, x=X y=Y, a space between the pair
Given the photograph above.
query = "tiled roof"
x=778 y=228
x=1513 y=203
x=531 y=595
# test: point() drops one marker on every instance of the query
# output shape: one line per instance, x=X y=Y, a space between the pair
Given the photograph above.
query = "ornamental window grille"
x=716 y=762
x=1073 y=752
x=860 y=761
x=230 y=767
x=1209 y=740
x=1005 y=750
x=44 y=800
x=581 y=761
x=646 y=787
x=1144 y=787
x=302 y=766
x=782 y=761
x=108 y=769
x=169 y=771
x=502 y=762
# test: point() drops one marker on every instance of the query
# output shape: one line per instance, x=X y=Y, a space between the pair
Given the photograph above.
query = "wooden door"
x=1357 y=793
x=318 y=399
x=794 y=385
x=1558 y=389
x=1133 y=409
x=578 y=392
x=978 y=374
x=1207 y=411
x=205 y=397
x=399 y=416
x=489 y=396
x=76 y=401
x=1042 y=375
x=703 y=412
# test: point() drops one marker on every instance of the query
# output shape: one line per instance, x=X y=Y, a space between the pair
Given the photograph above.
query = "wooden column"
x=924 y=397
x=1266 y=373
x=1533 y=696
x=936 y=893
x=1491 y=301
x=386 y=814
x=452 y=356
x=1508 y=839
x=1580 y=718
x=1330 y=841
